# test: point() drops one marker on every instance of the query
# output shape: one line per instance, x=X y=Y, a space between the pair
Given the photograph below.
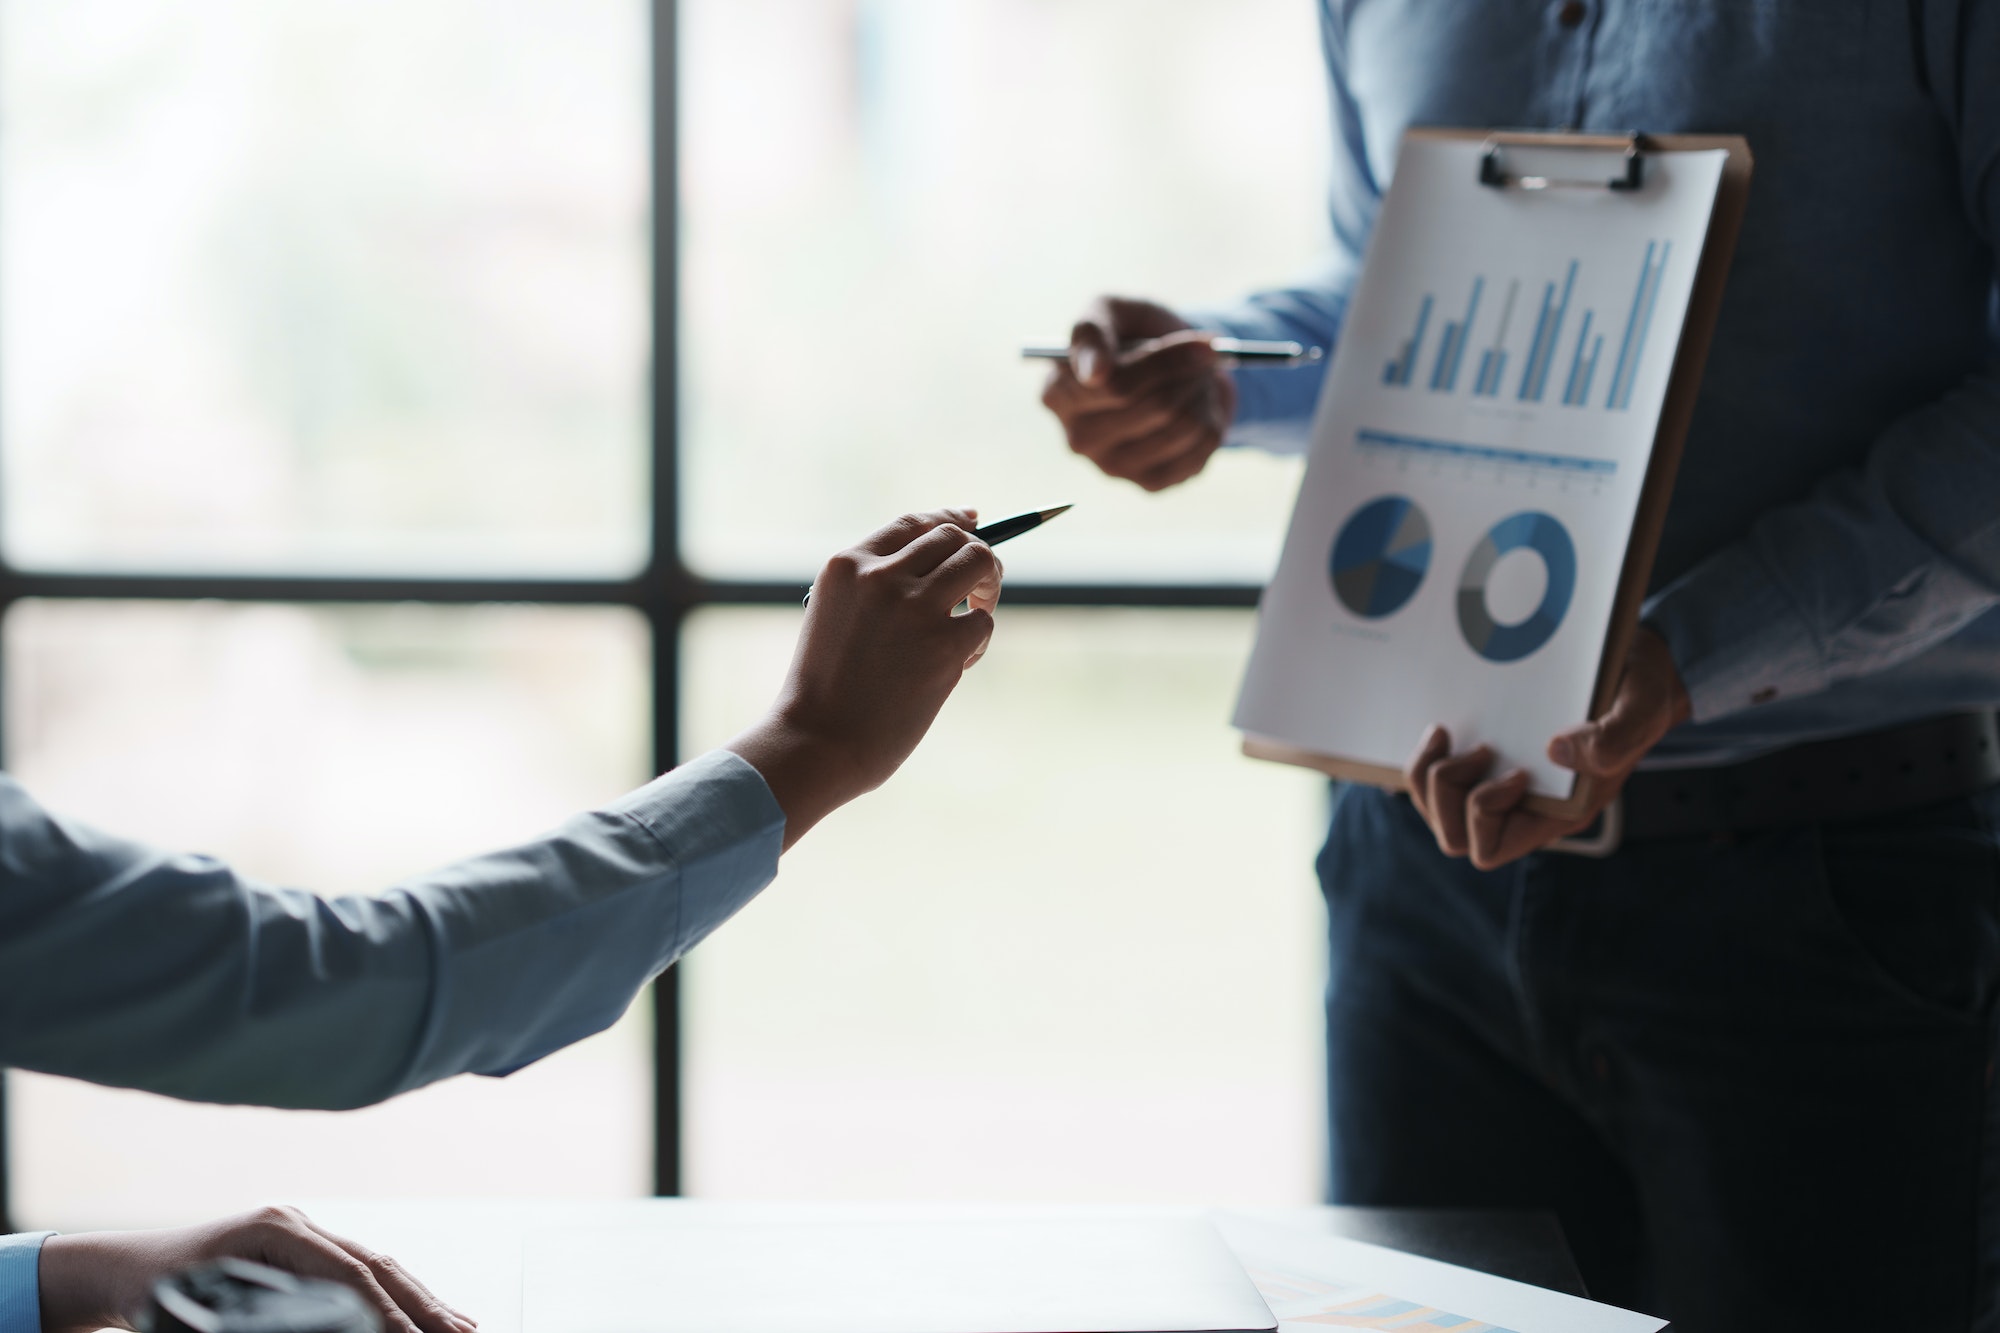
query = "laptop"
x=1026 y=1275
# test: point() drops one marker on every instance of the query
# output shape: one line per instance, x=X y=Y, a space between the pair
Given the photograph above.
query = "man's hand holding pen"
x=1143 y=395
x=880 y=652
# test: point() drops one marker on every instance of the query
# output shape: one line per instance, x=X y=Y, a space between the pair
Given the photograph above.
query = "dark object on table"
x=236 y=1296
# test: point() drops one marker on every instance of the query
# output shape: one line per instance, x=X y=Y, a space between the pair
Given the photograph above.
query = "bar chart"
x=1563 y=333
x=1399 y=370
x=1567 y=472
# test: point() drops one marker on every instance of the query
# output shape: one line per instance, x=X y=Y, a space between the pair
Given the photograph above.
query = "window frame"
x=665 y=593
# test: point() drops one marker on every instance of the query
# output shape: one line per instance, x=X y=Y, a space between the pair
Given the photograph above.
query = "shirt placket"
x=1568 y=30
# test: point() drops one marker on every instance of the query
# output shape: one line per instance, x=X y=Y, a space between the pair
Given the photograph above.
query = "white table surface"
x=470 y=1251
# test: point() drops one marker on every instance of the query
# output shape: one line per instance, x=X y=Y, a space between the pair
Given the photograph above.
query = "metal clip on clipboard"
x=1493 y=171
x=1608 y=830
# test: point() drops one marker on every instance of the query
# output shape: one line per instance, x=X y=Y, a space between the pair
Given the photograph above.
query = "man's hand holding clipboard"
x=1485 y=816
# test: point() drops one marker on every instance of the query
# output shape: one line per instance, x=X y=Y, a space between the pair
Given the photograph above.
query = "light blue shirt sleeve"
x=1275 y=405
x=137 y=968
x=20 y=1282
x=1887 y=560
x=1883 y=563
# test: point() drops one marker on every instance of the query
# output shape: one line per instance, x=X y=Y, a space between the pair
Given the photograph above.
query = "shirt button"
x=1573 y=13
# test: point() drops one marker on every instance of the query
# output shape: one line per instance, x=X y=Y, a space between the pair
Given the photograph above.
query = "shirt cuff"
x=724 y=829
x=1275 y=405
x=21 y=1282
x=1738 y=641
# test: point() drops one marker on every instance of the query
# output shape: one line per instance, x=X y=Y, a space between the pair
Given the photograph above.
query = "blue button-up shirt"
x=1831 y=561
x=172 y=973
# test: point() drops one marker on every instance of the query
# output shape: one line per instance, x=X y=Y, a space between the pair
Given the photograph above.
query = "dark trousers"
x=1752 y=1076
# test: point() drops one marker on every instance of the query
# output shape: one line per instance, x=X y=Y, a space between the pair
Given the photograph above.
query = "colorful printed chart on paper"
x=1477 y=462
x=1304 y=1300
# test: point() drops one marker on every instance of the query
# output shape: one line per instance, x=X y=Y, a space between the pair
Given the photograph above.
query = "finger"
x=1613 y=743
x=308 y=1253
x=966 y=570
x=1172 y=473
x=403 y=1286
x=1093 y=351
x=1489 y=809
x=1155 y=450
x=1188 y=462
x=1451 y=782
x=927 y=552
x=1166 y=362
x=1100 y=433
x=426 y=1311
x=1435 y=745
x=986 y=596
x=1133 y=321
x=975 y=632
x=1163 y=431
x=894 y=536
x=1064 y=396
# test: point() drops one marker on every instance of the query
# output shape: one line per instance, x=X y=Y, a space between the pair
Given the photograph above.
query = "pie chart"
x=1381 y=556
x=1548 y=539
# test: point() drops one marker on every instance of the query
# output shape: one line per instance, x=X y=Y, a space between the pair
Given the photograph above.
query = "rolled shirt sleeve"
x=1881 y=564
x=127 y=966
x=21 y=1283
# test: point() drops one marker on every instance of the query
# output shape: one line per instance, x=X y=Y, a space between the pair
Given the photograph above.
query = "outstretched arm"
x=133 y=967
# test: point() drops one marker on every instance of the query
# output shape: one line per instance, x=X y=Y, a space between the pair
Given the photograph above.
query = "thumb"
x=975 y=631
x=1610 y=745
x=1093 y=352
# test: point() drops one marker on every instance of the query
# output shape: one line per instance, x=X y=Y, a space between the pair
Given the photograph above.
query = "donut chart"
x=1381 y=556
x=1548 y=539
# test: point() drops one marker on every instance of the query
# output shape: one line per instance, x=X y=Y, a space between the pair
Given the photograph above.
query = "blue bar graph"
x=1493 y=361
x=1398 y=372
x=1632 y=347
x=1548 y=331
x=1451 y=348
x=1535 y=341
x=1575 y=385
x=1589 y=372
x=1550 y=335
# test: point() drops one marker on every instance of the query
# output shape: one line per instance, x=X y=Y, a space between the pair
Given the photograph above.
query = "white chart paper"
x=1477 y=462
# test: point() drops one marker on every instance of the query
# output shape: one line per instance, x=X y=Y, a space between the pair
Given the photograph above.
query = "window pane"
x=883 y=197
x=354 y=284
x=338 y=749
x=1072 y=952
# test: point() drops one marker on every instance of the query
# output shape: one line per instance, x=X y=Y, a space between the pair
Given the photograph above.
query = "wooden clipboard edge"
x=1732 y=198
x=1725 y=225
x=1347 y=770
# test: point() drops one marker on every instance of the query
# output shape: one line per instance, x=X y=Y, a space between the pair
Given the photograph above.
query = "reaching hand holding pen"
x=880 y=653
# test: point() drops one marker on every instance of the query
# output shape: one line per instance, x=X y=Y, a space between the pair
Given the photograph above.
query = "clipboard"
x=1516 y=162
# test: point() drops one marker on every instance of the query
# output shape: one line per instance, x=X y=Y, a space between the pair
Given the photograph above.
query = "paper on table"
x=1315 y=1282
x=1001 y=1275
x=1477 y=462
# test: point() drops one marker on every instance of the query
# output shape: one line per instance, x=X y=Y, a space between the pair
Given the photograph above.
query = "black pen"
x=1233 y=351
x=1006 y=530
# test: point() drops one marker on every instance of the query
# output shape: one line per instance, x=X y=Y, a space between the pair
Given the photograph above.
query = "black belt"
x=1851 y=777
